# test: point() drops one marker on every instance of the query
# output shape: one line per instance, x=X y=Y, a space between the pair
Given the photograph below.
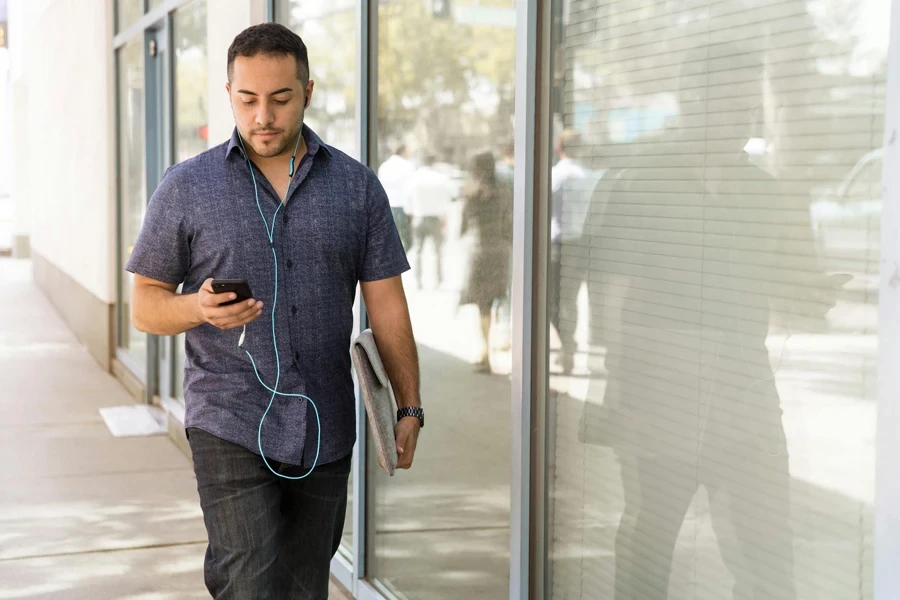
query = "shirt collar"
x=313 y=143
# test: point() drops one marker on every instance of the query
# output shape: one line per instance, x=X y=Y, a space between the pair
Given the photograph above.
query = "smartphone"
x=238 y=286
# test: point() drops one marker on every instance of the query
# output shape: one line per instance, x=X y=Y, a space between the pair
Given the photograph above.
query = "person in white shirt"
x=572 y=188
x=394 y=175
x=429 y=195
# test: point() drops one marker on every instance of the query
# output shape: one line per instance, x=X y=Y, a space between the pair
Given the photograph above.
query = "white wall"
x=19 y=26
x=63 y=86
x=229 y=18
x=64 y=139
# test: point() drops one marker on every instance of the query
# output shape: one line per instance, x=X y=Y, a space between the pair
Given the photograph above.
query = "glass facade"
x=333 y=67
x=713 y=293
x=190 y=115
x=444 y=134
x=132 y=183
x=191 y=88
x=704 y=408
x=127 y=12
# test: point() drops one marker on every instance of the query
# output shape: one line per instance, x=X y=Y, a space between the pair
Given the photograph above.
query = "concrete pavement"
x=83 y=515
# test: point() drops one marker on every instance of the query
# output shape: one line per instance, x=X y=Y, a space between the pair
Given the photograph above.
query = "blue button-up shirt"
x=335 y=230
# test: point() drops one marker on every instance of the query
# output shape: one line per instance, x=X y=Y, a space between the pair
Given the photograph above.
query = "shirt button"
x=290 y=264
x=296 y=356
x=293 y=310
x=286 y=218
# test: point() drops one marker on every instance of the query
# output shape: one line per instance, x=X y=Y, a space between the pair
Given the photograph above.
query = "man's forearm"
x=160 y=312
x=397 y=348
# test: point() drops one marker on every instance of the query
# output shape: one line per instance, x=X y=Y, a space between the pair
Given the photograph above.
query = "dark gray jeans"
x=269 y=538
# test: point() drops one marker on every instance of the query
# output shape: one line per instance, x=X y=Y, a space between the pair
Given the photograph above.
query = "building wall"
x=71 y=200
x=64 y=158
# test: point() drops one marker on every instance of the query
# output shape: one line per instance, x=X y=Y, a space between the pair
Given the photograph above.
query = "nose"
x=264 y=114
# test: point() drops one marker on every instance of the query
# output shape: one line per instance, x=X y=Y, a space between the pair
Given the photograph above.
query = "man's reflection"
x=698 y=249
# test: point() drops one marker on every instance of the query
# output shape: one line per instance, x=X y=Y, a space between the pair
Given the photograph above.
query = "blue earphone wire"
x=270 y=234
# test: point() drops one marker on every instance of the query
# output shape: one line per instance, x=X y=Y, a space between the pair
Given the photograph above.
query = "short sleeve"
x=384 y=255
x=162 y=250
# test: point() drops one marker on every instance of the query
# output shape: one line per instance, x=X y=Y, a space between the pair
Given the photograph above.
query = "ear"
x=310 y=86
x=228 y=88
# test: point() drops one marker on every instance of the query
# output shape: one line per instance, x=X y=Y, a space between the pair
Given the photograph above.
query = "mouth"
x=266 y=135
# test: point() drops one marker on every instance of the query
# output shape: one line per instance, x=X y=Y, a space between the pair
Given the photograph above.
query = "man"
x=330 y=223
x=430 y=195
x=572 y=187
x=394 y=175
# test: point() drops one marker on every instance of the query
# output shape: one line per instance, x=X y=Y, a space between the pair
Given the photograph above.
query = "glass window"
x=132 y=182
x=127 y=12
x=713 y=309
x=332 y=114
x=191 y=83
x=191 y=112
x=155 y=3
x=444 y=135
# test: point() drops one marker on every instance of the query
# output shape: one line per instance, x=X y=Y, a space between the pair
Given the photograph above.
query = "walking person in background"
x=429 y=197
x=487 y=215
x=394 y=175
x=571 y=200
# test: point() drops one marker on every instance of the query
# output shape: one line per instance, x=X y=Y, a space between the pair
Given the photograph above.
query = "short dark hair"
x=270 y=39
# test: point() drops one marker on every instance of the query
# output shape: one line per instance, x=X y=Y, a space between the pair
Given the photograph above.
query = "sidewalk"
x=83 y=515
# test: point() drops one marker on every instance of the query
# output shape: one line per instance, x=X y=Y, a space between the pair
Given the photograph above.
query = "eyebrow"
x=276 y=92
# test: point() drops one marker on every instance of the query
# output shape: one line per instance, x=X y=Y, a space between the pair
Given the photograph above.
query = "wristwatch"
x=412 y=411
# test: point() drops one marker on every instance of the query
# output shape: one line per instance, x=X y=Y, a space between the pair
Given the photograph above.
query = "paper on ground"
x=134 y=420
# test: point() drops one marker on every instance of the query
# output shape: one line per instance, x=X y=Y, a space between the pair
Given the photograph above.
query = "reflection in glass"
x=714 y=256
x=190 y=115
x=191 y=83
x=132 y=183
x=127 y=12
x=487 y=214
x=332 y=114
x=445 y=117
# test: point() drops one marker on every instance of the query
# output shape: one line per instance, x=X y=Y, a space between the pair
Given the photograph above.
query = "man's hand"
x=225 y=317
x=389 y=319
x=407 y=433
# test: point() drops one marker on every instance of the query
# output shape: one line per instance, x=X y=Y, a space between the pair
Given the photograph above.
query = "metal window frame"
x=887 y=488
x=366 y=118
x=527 y=303
x=149 y=20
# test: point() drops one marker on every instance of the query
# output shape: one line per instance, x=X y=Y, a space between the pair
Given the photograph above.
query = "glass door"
x=189 y=135
x=142 y=159
x=159 y=379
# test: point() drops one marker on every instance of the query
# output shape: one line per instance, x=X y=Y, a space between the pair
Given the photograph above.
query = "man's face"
x=268 y=102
